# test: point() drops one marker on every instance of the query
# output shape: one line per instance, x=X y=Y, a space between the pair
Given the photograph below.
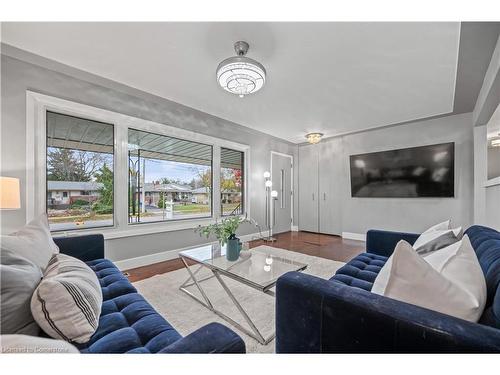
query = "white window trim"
x=37 y=106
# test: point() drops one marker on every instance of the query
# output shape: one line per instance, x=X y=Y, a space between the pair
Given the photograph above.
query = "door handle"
x=313 y=196
x=324 y=196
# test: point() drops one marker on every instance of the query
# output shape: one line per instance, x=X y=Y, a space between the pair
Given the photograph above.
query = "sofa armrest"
x=85 y=248
x=382 y=242
x=212 y=338
x=314 y=315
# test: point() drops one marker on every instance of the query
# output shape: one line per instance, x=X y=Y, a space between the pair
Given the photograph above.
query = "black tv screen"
x=426 y=171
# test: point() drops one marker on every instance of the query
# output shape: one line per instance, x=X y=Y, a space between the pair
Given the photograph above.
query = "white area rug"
x=187 y=315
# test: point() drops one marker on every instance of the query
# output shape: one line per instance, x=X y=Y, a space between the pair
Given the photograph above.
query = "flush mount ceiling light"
x=314 y=138
x=239 y=74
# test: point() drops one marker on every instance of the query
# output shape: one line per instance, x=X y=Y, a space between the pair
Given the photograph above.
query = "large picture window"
x=79 y=172
x=169 y=178
x=231 y=182
x=124 y=175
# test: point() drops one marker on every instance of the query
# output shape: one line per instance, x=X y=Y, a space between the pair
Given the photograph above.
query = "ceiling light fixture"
x=314 y=138
x=239 y=74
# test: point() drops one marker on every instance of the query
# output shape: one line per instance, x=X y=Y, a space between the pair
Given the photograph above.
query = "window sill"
x=132 y=230
x=492 y=182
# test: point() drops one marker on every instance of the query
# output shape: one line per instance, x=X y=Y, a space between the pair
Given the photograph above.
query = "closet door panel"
x=308 y=188
x=329 y=187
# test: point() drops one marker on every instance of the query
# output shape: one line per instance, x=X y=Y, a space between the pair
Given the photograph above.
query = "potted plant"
x=225 y=232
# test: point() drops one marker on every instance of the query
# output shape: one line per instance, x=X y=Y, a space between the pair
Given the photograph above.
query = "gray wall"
x=486 y=194
x=48 y=77
x=493 y=206
x=493 y=162
x=408 y=214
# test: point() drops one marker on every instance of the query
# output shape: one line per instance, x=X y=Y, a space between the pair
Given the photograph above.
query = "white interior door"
x=281 y=174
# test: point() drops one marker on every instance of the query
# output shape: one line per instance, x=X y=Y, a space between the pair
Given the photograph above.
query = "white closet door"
x=329 y=187
x=308 y=188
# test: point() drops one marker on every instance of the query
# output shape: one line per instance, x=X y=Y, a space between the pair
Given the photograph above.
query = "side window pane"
x=231 y=182
x=169 y=178
x=79 y=172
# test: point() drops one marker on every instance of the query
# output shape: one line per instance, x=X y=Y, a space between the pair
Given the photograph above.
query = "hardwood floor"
x=320 y=245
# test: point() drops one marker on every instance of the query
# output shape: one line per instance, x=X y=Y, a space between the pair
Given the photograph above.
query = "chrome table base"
x=252 y=331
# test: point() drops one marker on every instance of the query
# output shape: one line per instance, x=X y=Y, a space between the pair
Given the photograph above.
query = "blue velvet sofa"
x=128 y=323
x=341 y=315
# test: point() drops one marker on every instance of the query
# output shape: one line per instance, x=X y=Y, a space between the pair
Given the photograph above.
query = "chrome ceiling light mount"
x=239 y=74
x=314 y=138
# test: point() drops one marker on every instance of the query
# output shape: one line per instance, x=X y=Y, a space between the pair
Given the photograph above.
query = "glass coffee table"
x=255 y=268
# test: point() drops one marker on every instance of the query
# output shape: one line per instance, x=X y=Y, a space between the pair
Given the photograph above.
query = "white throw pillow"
x=18 y=280
x=25 y=344
x=441 y=226
x=33 y=242
x=408 y=277
x=67 y=303
x=437 y=237
x=459 y=264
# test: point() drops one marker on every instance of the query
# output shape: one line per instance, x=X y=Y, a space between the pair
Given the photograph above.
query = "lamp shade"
x=10 y=197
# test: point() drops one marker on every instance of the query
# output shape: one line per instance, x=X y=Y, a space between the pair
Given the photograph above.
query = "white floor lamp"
x=271 y=196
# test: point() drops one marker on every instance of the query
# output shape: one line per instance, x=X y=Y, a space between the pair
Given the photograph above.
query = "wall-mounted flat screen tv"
x=426 y=171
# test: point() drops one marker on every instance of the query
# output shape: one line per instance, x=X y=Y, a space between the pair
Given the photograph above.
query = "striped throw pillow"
x=67 y=302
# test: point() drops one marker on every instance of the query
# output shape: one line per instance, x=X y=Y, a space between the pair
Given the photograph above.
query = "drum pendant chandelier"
x=239 y=74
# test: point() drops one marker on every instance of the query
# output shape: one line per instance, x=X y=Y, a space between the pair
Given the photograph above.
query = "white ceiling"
x=329 y=77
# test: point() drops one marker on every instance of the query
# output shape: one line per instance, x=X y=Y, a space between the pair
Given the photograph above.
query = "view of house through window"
x=231 y=182
x=169 y=178
x=79 y=172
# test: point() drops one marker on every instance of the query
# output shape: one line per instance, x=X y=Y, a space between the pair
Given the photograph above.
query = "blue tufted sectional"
x=128 y=323
x=341 y=315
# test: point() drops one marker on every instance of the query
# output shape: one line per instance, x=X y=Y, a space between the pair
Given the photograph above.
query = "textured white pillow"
x=459 y=264
x=441 y=226
x=18 y=280
x=67 y=302
x=33 y=242
x=410 y=278
x=25 y=344
x=436 y=237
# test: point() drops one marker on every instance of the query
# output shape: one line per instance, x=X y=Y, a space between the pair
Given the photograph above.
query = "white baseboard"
x=354 y=236
x=251 y=237
x=146 y=260
x=295 y=228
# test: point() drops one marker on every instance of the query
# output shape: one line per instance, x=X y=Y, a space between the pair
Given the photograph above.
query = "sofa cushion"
x=128 y=323
x=361 y=271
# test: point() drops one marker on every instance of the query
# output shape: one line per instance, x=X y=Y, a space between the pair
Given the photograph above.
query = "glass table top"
x=256 y=267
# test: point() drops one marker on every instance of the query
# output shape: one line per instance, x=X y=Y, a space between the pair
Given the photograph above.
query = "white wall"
x=486 y=191
x=408 y=214
x=480 y=173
